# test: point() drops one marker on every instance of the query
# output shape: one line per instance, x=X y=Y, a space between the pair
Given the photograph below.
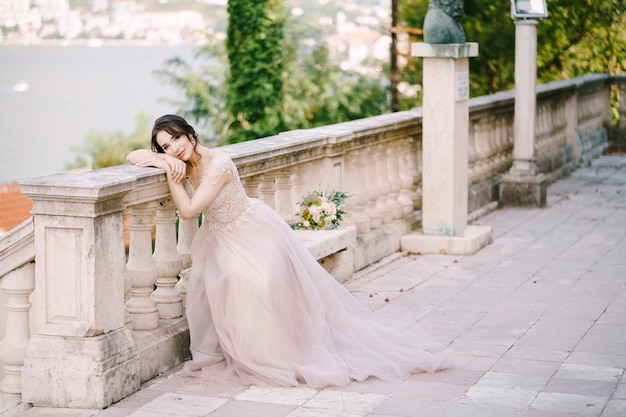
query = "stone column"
x=445 y=155
x=82 y=356
x=523 y=185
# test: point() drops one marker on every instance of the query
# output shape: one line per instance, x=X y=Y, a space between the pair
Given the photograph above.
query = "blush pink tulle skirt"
x=262 y=311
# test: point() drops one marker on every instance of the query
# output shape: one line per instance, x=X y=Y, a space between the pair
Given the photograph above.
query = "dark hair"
x=174 y=125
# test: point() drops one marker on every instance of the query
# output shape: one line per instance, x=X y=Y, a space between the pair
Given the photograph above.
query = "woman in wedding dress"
x=259 y=305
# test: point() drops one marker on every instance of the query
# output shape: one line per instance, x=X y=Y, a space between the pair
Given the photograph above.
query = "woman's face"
x=180 y=147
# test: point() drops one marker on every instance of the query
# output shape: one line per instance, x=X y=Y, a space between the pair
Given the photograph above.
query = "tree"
x=318 y=92
x=255 y=54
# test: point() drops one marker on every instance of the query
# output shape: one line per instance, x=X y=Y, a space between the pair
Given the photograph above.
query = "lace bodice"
x=231 y=204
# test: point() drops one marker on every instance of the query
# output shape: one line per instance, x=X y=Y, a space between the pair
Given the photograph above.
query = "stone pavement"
x=537 y=321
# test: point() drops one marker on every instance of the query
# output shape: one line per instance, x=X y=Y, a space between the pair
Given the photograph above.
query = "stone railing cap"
x=17 y=246
x=92 y=184
x=444 y=50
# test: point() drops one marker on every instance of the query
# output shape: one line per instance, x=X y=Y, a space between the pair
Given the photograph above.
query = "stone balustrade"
x=72 y=293
x=618 y=131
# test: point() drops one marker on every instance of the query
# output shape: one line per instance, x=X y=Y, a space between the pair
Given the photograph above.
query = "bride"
x=259 y=305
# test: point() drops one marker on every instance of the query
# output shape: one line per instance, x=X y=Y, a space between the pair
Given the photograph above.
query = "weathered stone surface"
x=525 y=192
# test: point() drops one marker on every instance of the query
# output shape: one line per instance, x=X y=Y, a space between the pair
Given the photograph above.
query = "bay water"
x=69 y=90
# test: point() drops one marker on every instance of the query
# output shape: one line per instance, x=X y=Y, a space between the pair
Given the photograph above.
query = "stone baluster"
x=128 y=283
x=319 y=172
x=300 y=183
x=561 y=123
x=501 y=144
x=472 y=153
x=267 y=189
x=357 y=203
x=168 y=261
x=251 y=185
x=284 y=203
x=492 y=158
x=542 y=139
x=407 y=196
x=550 y=125
x=17 y=285
x=372 y=190
x=394 y=180
x=418 y=179
x=481 y=141
x=186 y=231
x=621 y=123
x=142 y=270
x=510 y=140
x=383 y=183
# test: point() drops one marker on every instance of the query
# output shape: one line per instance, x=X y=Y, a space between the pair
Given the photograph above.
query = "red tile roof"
x=15 y=207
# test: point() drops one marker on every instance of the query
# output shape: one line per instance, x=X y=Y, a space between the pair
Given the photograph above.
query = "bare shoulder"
x=216 y=165
x=218 y=158
x=215 y=153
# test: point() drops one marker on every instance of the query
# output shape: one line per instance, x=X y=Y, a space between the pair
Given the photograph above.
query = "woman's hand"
x=174 y=167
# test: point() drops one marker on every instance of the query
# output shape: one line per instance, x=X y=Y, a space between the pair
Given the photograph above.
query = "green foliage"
x=314 y=91
x=255 y=55
x=105 y=149
x=204 y=88
x=578 y=37
x=582 y=37
x=319 y=93
x=275 y=74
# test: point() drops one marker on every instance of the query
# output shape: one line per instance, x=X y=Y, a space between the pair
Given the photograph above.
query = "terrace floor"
x=537 y=321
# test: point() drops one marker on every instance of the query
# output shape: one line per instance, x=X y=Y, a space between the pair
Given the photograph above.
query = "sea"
x=51 y=96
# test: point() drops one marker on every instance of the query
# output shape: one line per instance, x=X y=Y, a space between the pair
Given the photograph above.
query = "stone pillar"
x=82 y=356
x=445 y=153
x=523 y=185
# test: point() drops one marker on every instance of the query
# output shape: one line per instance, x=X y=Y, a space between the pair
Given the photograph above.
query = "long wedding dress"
x=261 y=308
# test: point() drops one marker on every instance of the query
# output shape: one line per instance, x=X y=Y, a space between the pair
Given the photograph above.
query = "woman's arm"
x=171 y=164
x=189 y=207
x=176 y=170
x=140 y=156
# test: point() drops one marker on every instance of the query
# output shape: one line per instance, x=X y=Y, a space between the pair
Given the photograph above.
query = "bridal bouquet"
x=320 y=211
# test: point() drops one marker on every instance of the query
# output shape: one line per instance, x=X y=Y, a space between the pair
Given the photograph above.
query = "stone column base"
x=12 y=405
x=468 y=242
x=75 y=372
x=523 y=191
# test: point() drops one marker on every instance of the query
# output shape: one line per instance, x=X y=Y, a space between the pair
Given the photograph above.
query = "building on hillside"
x=353 y=48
